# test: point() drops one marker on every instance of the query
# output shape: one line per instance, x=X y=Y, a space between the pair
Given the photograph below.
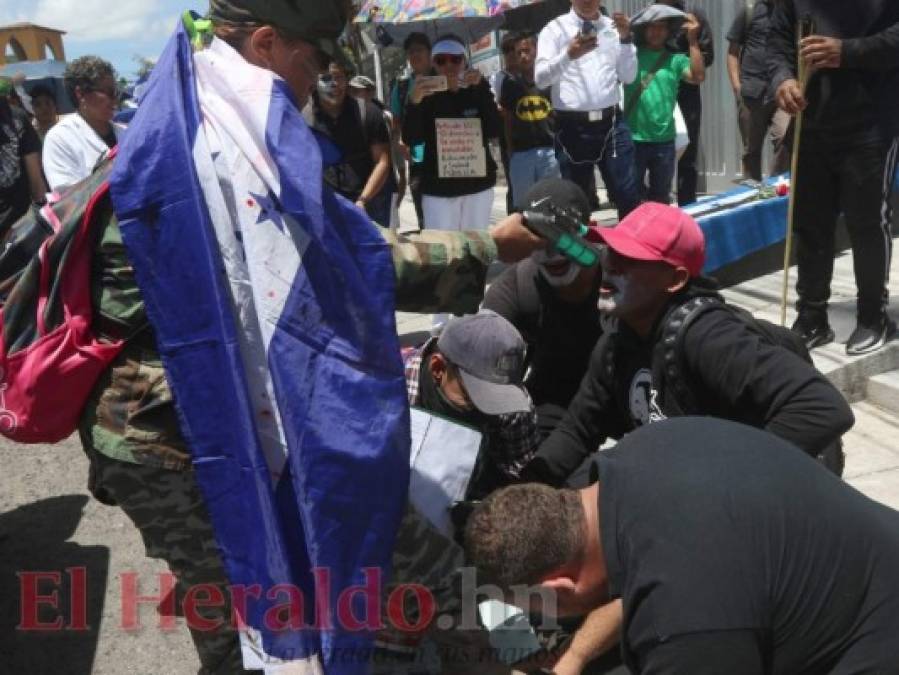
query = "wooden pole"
x=804 y=30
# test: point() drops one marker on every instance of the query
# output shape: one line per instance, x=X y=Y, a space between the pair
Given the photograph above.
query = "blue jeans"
x=528 y=167
x=607 y=144
x=660 y=160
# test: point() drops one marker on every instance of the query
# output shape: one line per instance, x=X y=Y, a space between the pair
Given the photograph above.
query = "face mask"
x=326 y=87
x=542 y=258
x=627 y=297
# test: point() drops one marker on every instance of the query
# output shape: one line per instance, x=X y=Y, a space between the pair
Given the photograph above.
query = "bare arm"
x=35 y=177
x=380 y=154
x=599 y=633
x=696 y=74
x=733 y=68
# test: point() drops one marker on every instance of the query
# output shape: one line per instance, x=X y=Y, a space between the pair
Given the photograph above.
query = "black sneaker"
x=814 y=332
x=870 y=337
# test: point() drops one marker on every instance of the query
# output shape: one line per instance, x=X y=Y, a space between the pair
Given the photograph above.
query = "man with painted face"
x=358 y=129
x=552 y=302
x=723 y=366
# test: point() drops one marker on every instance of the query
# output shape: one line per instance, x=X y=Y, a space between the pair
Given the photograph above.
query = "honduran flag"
x=272 y=303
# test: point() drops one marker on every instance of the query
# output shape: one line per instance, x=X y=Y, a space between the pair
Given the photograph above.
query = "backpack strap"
x=668 y=365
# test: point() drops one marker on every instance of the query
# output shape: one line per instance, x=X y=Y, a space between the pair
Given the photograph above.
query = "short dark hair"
x=509 y=41
x=42 y=90
x=521 y=533
x=85 y=73
x=416 y=39
x=524 y=35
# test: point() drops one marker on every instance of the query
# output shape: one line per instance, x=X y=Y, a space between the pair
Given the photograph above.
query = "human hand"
x=514 y=241
x=424 y=87
x=738 y=92
x=360 y=203
x=692 y=27
x=580 y=45
x=472 y=77
x=404 y=151
x=822 y=52
x=623 y=24
x=790 y=97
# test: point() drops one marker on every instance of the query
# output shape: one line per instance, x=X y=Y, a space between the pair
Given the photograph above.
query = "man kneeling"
x=728 y=549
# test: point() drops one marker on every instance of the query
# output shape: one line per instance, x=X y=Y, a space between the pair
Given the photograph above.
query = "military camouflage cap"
x=318 y=22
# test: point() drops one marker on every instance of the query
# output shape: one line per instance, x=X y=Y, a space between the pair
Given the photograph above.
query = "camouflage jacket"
x=131 y=416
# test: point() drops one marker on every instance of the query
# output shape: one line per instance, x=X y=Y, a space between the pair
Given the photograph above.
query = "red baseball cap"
x=655 y=231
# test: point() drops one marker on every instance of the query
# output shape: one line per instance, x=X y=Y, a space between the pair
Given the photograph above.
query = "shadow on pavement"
x=33 y=539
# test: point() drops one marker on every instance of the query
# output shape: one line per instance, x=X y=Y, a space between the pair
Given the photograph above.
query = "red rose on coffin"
x=782 y=189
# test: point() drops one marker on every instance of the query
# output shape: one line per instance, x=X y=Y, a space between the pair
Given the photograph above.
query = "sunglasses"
x=444 y=59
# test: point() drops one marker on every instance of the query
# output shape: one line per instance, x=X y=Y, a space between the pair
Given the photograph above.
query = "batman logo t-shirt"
x=531 y=114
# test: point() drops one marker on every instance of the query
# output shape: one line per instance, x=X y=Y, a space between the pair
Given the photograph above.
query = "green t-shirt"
x=652 y=119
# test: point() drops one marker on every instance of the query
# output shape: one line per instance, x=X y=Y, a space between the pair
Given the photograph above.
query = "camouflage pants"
x=423 y=556
x=168 y=509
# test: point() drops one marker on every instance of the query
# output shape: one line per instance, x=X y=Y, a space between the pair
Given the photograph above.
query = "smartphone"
x=588 y=29
x=806 y=26
x=435 y=82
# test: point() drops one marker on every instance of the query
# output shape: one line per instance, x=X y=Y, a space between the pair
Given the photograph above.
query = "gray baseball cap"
x=489 y=352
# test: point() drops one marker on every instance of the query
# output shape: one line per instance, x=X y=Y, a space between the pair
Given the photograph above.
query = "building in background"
x=29 y=42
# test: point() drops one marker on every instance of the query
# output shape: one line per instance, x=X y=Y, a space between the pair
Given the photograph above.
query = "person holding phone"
x=458 y=171
x=583 y=56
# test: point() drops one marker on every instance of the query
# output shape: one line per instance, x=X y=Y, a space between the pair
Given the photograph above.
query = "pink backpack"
x=49 y=357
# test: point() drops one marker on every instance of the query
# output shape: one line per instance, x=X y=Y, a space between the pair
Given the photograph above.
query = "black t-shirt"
x=560 y=335
x=420 y=127
x=732 y=371
x=750 y=31
x=353 y=131
x=530 y=111
x=717 y=534
x=17 y=139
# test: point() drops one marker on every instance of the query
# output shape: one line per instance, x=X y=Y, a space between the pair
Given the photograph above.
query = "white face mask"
x=542 y=258
x=327 y=88
x=626 y=297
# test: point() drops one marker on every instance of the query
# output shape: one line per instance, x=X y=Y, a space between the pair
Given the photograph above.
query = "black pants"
x=415 y=171
x=690 y=102
x=607 y=144
x=850 y=172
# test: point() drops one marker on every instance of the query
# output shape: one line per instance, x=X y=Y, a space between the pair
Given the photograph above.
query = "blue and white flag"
x=272 y=303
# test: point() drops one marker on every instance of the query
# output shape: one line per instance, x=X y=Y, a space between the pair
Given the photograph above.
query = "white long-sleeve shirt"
x=71 y=151
x=590 y=82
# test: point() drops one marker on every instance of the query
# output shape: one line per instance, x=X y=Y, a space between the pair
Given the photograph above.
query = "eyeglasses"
x=110 y=92
x=444 y=59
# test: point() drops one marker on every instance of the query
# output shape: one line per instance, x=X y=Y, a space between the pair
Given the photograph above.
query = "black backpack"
x=670 y=367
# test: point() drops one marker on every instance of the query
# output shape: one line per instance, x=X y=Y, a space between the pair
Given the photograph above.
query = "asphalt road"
x=50 y=524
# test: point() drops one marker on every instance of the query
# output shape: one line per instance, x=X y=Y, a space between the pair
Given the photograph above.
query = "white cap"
x=448 y=46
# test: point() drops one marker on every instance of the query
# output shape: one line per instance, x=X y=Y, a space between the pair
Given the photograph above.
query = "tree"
x=144 y=65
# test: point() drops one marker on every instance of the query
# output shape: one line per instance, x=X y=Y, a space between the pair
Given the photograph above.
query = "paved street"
x=49 y=523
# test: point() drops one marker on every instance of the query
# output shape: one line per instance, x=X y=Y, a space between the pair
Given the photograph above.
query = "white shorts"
x=468 y=212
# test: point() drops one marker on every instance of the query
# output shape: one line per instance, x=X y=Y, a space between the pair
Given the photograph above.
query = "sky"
x=116 y=30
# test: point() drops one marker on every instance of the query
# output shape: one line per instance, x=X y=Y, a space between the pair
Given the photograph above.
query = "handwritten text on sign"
x=460 y=148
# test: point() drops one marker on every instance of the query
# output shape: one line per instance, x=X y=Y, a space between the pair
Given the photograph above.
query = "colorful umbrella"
x=469 y=19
